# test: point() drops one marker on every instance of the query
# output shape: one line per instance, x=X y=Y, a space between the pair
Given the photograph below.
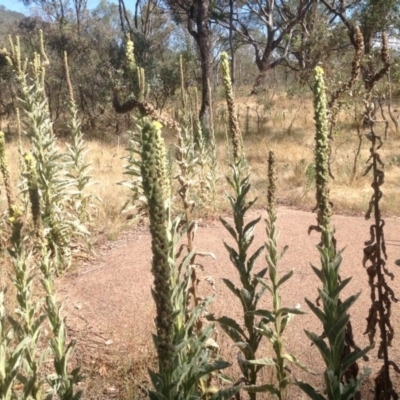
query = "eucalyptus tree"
x=266 y=25
x=196 y=14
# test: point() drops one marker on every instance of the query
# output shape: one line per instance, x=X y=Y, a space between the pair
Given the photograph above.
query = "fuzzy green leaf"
x=232 y=328
x=229 y=228
x=317 y=311
x=321 y=345
x=253 y=258
x=226 y=394
x=262 y=361
x=262 y=389
x=351 y=358
x=309 y=391
x=249 y=228
x=344 y=307
x=232 y=287
x=285 y=278
x=299 y=364
x=268 y=315
x=332 y=385
x=289 y=310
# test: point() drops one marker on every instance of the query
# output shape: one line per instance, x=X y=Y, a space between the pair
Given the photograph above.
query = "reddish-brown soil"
x=110 y=310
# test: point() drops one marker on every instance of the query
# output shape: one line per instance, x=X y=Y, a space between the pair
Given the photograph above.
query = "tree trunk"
x=204 y=43
x=231 y=42
x=260 y=80
x=264 y=66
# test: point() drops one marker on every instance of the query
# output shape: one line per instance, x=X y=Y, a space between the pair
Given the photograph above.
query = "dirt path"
x=110 y=309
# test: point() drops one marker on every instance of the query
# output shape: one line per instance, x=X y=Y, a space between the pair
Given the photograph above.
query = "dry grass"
x=283 y=124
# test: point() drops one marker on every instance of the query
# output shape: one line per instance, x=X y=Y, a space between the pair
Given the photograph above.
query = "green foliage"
x=247 y=338
x=334 y=313
x=26 y=355
x=61 y=381
x=321 y=150
x=59 y=226
x=184 y=358
x=28 y=323
x=138 y=200
x=334 y=317
x=10 y=357
x=79 y=171
x=193 y=362
x=279 y=316
x=234 y=129
x=152 y=185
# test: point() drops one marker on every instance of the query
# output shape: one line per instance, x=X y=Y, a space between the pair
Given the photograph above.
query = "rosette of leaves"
x=182 y=351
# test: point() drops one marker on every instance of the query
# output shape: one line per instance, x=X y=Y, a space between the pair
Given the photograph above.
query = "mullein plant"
x=59 y=226
x=187 y=177
x=192 y=155
x=29 y=321
x=234 y=128
x=10 y=357
x=334 y=314
x=14 y=212
x=137 y=201
x=247 y=338
x=183 y=356
x=279 y=317
x=134 y=77
x=187 y=160
x=139 y=91
x=78 y=167
x=62 y=382
x=206 y=153
x=202 y=153
x=27 y=324
x=245 y=335
x=212 y=175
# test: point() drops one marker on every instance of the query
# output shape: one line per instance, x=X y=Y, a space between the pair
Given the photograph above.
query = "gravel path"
x=110 y=309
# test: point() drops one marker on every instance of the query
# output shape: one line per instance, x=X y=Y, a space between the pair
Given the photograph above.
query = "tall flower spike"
x=6 y=176
x=182 y=83
x=34 y=195
x=321 y=151
x=130 y=55
x=271 y=181
x=68 y=78
x=234 y=128
x=160 y=247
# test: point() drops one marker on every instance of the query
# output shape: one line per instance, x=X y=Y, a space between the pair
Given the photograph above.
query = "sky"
x=17 y=5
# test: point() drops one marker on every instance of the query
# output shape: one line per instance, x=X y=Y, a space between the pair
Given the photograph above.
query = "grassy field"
x=284 y=124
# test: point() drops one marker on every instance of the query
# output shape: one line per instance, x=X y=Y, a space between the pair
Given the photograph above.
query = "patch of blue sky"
x=18 y=5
